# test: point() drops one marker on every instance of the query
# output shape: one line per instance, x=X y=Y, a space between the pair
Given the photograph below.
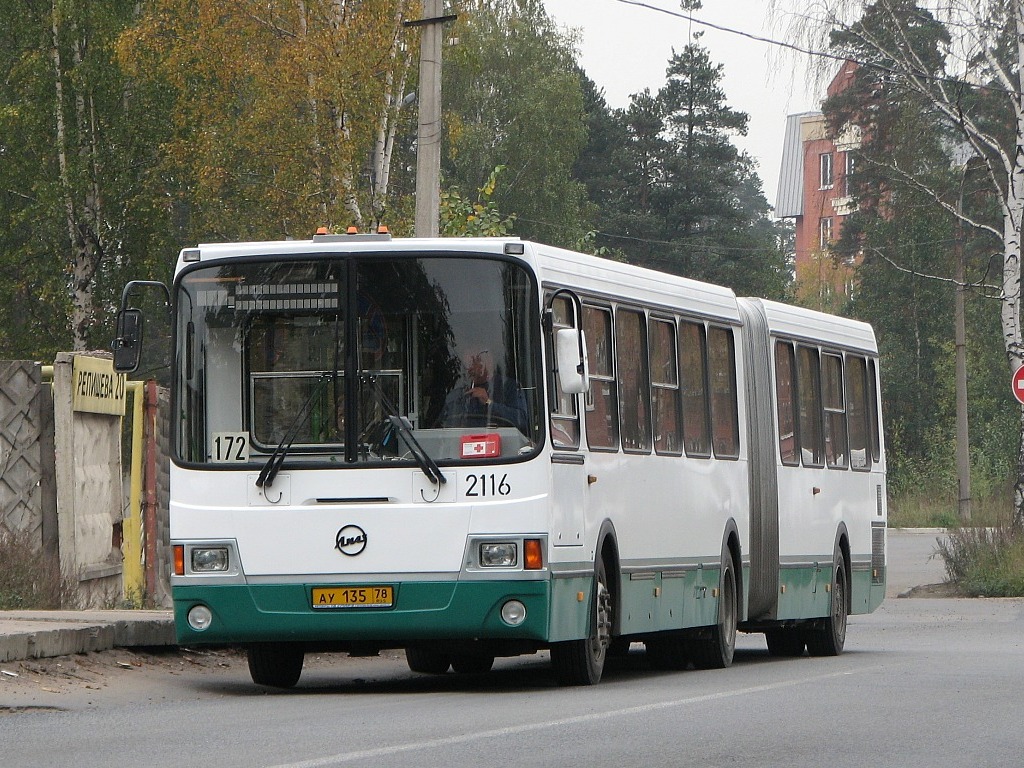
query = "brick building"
x=814 y=192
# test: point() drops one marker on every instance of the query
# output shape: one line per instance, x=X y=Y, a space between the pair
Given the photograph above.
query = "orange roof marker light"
x=352 y=230
x=382 y=229
x=321 y=230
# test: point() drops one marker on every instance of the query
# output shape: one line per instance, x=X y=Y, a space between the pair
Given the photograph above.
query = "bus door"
x=567 y=369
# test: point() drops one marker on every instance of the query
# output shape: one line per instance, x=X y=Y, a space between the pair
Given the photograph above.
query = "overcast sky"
x=625 y=48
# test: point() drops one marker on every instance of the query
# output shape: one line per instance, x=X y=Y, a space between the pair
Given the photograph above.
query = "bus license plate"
x=353 y=597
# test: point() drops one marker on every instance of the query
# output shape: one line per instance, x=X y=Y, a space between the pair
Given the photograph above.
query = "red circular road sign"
x=1017 y=384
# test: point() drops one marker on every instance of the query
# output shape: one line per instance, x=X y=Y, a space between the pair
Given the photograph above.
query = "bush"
x=985 y=562
x=29 y=580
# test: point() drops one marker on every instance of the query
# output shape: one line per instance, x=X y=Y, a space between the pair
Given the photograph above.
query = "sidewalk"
x=41 y=634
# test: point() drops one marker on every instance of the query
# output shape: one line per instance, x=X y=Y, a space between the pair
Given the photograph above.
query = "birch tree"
x=285 y=110
x=72 y=160
x=977 y=92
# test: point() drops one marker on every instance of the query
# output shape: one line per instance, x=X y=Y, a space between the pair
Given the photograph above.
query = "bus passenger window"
x=722 y=376
x=876 y=437
x=693 y=357
x=603 y=415
x=809 y=389
x=565 y=420
x=635 y=406
x=785 y=398
x=835 y=411
x=857 y=411
x=665 y=388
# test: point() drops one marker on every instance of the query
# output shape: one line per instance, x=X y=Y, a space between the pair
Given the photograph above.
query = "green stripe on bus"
x=422 y=611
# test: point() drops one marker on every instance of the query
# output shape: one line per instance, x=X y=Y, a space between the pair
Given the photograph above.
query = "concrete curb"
x=42 y=634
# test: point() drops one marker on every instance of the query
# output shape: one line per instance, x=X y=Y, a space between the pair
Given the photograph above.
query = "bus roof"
x=615 y=279
x=595 y=275
x=800 y=323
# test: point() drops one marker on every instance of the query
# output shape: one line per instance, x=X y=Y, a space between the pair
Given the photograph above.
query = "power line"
x=920 y=74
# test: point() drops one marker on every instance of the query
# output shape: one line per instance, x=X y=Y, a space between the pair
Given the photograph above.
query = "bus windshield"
x=344 y=361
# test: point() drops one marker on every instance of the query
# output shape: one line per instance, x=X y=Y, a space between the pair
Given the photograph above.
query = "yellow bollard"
x=131 y=545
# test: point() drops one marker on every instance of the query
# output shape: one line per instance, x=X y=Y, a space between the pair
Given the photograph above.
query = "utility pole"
x=428 y=136
x=963 y=444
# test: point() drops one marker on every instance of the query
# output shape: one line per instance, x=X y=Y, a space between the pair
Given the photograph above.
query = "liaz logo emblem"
x=351 y=540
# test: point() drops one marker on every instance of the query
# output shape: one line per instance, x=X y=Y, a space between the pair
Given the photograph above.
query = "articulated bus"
x=480 y=448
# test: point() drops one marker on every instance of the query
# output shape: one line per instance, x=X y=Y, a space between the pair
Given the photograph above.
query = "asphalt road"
x=924 y=682
x=913 y=559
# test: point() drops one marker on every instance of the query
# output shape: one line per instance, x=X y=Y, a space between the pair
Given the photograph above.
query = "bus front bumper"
x=420 y=611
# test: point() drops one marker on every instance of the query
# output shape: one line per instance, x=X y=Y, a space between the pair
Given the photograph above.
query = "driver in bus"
x=485 y=397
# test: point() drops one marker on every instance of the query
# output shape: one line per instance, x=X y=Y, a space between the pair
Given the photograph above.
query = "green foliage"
x=512 y=98
x=462 y=218
x=985 y=561
x=905 y=244
x=28 y=579
x=673 y=192
x=84 y=191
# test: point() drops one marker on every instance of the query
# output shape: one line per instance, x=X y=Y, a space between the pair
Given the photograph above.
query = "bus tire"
x=670 y=654
x=581 y=662
x=472 y=663
x=276 y=665
x=716 y=650
x=828 y=636
x=785 y=643
x=427 y=661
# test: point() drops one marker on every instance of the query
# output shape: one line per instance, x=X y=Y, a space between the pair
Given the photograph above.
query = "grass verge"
x=29 y=580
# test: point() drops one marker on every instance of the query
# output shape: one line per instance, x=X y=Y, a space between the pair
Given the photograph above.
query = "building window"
x=848 y=174
x=825 y=232
x=825 y=178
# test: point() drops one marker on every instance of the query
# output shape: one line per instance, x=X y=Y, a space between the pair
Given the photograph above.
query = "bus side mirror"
x=127 y=345
x=571 y=357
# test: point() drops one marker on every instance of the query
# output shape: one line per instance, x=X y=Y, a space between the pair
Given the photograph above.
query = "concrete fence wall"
x=27 y=496
x=62 y=473
x=89 y=485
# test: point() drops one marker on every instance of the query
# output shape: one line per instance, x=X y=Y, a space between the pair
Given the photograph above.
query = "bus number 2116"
x=488 y=485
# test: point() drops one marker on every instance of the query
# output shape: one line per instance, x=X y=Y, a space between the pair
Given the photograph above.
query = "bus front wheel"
x=427 y=661
x=581 y=662
x=276 y=665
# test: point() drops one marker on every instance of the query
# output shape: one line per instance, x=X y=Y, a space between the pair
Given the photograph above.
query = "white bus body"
x=341 y=482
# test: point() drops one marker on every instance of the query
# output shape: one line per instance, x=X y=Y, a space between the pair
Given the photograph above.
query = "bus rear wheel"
x=276 y=665
x=828 y=637
x=667 y=653
x=717 y=649
x=581 y=662
x=784 y=643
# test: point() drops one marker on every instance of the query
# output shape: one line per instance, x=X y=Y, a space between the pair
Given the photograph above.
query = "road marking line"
x=512 y=730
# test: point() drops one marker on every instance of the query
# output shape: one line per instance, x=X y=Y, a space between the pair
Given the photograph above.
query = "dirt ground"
x=126 y=676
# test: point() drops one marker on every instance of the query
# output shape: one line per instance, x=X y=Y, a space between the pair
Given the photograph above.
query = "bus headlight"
x=209 y=559
x=200 y=617
x=499 y=554
x=513 y=613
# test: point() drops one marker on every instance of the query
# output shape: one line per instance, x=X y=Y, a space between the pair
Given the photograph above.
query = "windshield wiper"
x=423 y=461
x=273 y=465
